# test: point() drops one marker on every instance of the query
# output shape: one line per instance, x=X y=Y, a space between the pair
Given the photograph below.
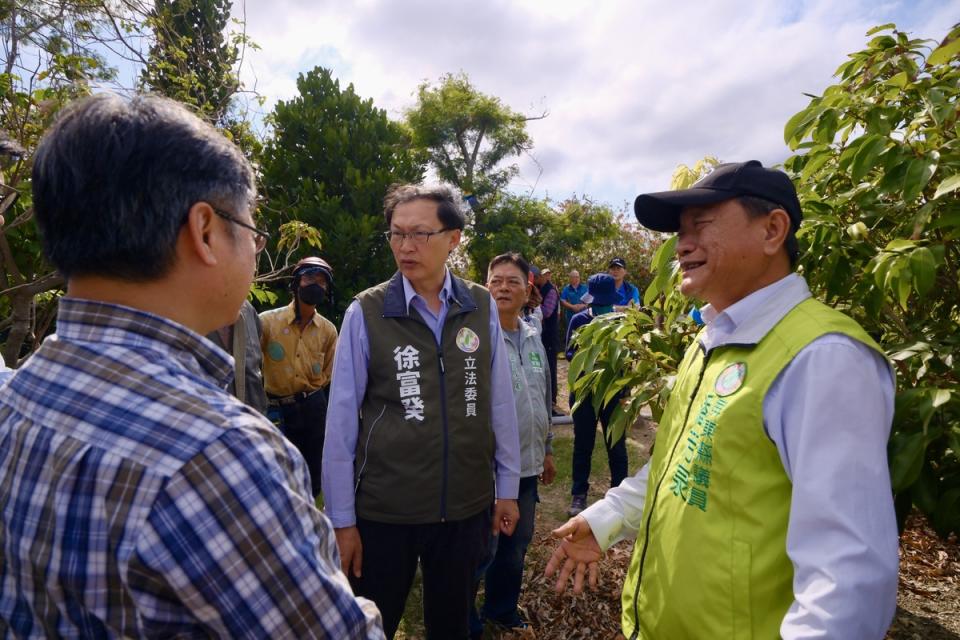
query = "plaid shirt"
x=138 y=499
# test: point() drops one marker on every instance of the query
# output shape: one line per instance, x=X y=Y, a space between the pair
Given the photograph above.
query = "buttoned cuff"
x=508 y=486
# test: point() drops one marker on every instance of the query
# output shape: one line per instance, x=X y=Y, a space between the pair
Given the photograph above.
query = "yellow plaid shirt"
x=294 y=360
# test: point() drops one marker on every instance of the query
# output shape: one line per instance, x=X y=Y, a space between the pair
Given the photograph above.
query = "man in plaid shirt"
x=138 y=498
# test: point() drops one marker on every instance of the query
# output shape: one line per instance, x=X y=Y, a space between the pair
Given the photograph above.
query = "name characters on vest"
x=408 y=367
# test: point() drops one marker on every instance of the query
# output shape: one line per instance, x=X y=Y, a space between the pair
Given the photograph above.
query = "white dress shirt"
x=829 y=414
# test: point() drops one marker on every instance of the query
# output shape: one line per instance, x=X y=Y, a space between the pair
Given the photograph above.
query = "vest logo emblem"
x=536 y=361
x=467 y=340
x=731 y=379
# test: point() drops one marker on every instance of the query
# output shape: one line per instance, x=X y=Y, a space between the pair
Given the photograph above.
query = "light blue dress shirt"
x=349 y=385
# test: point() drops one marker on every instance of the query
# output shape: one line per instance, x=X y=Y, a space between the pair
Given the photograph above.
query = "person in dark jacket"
x=550 y=335
x=601 y=296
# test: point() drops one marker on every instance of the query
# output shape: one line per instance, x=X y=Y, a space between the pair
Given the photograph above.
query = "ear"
x=198 y=233
x=454 y=240
x=776 y=228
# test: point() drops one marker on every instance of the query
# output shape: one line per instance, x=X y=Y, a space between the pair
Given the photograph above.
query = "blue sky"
x=632 y=88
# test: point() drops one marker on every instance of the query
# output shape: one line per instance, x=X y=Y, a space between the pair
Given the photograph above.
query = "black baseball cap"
x=661 y=211
x=617 y=262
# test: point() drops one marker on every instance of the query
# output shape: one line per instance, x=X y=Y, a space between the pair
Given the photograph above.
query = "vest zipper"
x=656 y=491
x=446 y=435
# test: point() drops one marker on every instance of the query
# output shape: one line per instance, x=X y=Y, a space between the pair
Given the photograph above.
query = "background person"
x=572 y=293
x=767 y=507
x=550 y=334
x=298 y=349
x=242 y=340
x=507 y=281
x=627 y=293
x=601 y=294
x=423 y=362
x=532 y=313
x=138 y=498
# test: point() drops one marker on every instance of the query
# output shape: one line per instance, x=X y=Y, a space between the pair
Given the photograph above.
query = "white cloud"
x=633 y=88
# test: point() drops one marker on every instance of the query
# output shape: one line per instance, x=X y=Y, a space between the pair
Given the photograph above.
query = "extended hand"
x=549 y=469
x=505 y=516
x=577 y=553
x=351 y=550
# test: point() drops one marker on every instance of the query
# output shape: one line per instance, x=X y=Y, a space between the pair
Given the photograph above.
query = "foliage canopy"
x=331 y=159
x=878 y=173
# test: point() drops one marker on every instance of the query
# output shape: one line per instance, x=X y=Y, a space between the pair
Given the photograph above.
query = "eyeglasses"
x=260 y=237
x=418 y=237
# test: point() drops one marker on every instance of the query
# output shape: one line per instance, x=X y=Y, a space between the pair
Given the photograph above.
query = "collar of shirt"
x=749 y=319
x=417 y=301
x=103 y=323
x=289 y=315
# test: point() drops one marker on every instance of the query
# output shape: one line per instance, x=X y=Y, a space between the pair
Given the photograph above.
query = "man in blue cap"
x=766 y=510
x=601 y=296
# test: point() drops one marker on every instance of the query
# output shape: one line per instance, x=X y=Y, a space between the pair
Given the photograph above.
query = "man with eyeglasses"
x=432 y=464
x=507 y=280
x=137 y=497
x=298 y=348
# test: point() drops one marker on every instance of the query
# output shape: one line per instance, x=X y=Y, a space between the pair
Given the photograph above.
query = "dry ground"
x=929 y=597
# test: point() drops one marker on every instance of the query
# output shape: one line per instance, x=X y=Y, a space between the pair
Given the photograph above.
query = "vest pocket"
x=740 y=590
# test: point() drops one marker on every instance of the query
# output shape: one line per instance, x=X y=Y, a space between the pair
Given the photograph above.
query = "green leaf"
x=944 y=53
x=898 y=245
x=814 y=163
x=882 y=27
x=925 y=490
x=800 y=123
x=947 y=185
x=923 y=266
x=940 y=397
x=907 y=460
x=947 y=516
x=904 y=281
x=900 y=80
x=826 y=127
x=919 y=172
x=866 y=156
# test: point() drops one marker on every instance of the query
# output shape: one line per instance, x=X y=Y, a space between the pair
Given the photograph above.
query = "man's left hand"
x=549 y=469
x=505 y=516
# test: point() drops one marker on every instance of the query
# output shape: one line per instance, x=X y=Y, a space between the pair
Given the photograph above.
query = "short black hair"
x=114 y=180
x=450 y=215
x=513 y=258
x=756 y=207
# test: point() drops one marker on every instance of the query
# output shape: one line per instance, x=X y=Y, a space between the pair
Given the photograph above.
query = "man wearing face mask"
x=298 y=347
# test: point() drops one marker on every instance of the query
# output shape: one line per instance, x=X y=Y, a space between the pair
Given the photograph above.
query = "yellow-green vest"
x=710 y=559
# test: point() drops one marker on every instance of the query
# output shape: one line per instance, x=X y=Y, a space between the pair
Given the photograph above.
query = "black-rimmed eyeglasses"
x=260 y=237
x=418 y=237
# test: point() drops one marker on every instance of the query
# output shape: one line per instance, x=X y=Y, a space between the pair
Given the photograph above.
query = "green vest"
x=710 y=559
x=425 y=448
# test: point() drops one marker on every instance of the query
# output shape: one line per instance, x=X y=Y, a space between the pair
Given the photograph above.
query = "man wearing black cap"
x=298 y=348
x=766 y=510
x=627 y=293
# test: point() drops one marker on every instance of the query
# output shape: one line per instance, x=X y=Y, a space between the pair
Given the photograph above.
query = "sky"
x=632 y=88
